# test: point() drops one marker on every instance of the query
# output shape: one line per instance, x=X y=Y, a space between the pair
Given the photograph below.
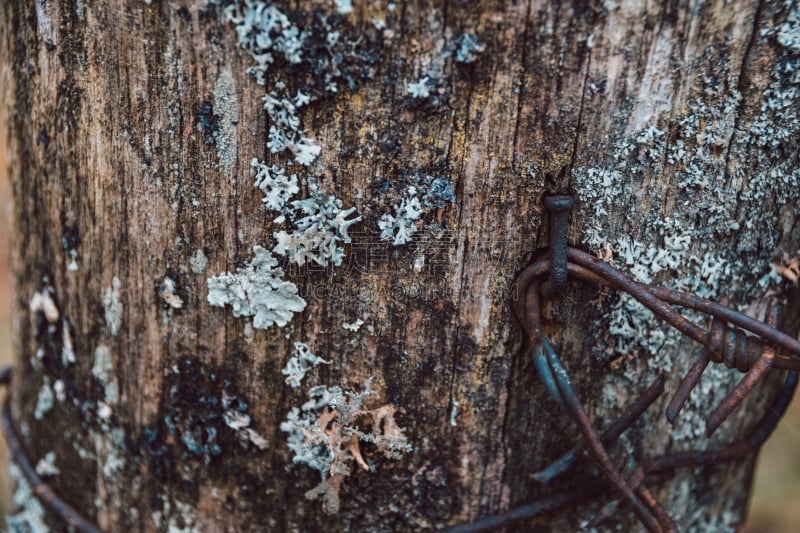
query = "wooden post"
x=132 y=127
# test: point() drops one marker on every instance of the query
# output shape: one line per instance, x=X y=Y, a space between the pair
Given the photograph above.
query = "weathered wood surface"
x=675 y=123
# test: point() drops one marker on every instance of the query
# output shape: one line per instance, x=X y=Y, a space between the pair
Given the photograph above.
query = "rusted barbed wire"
x=734 y=339
x=42 y=490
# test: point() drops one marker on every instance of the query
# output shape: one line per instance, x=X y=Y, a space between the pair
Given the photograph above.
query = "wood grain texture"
x=107 y=144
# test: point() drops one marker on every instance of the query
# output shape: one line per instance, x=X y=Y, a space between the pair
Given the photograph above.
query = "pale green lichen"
x=102 y=370
x=735 y=183
x=427 y=193
x=45 y=399
x=198 y=262
x=468 y=48
x=46 y=466
x=264 y=31
x=320 y=226
x=420 y=88
x=285 y=132
x=168 y=292
x=240 y=422
x=353 y=326
x=278 y=188
x=110 y=450
x=401 y=226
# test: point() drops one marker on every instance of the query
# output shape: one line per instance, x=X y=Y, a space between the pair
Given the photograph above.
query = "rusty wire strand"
x=657 y=470
x=609 y=436
x=565 y=395
x=42 y=490
x=754 y=375
x=598 y=451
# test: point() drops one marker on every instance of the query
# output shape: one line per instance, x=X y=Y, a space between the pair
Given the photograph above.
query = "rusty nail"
x=558 y=207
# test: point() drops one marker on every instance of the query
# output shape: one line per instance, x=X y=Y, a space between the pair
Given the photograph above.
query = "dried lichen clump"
x=790 y=269
x=325 y=433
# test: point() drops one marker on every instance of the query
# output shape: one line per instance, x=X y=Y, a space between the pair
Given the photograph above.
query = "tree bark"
x=132 y=127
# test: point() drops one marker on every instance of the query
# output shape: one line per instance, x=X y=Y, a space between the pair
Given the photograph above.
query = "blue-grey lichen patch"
x=328 y=51
x=300 y=363
x=27 y=514
x=181 y=518
x=353 y=326
x=326 y=431
x=110 y=451
x=433 y=88
x=198 y=262
x=202 y=407
x=102 y=370
x=257 y=290
x=468 y=48
x=437 y=192
x=735 y=182
x=45 y=399
x=779 y=121
x=46 y=466
x=112 y=306
x=344 y=7
x=285 y=132
x=401 y=225
x=265 y=31
x=320 y=227
x=239 y=422
x=427 y=193
x=227 y=115
x=278 y=188
x=168 y=292
x=788 y=33
x=420 y=88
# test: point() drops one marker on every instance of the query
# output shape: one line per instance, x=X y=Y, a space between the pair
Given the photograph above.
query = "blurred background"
x=775 y=505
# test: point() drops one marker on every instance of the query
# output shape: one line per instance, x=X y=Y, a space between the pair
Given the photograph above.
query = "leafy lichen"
x=301 y=361
x=257 y=290
x=320 y=226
